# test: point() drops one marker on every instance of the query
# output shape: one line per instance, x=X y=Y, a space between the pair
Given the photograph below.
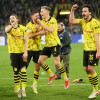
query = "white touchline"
x=51 y=85
x=44 y=78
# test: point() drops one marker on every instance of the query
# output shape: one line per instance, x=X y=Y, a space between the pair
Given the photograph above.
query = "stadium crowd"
x=23 y=7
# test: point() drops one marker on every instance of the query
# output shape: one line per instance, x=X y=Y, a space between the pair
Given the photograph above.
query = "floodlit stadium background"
x=60 y=9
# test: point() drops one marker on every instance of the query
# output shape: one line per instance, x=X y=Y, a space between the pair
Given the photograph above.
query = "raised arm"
x=72 y=19
x=8 y=28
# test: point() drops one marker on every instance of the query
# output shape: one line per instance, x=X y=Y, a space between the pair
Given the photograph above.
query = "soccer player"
x=17 y=47
x=91 y=31
x=52 y=45
x=34 y=45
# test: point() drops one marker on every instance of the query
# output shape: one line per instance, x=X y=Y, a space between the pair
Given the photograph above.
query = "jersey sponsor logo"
x=87 y=31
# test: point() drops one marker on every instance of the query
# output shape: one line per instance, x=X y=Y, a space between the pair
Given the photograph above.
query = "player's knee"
x=57 y=64
x=40 y=62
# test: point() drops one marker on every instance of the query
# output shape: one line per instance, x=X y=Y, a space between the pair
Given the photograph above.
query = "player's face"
x=35 y=16
x=13 y=20
x=60 y=29
x=44 y=13
x=86 y=13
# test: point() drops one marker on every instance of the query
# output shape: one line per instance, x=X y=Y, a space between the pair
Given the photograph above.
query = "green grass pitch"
x=55 y=91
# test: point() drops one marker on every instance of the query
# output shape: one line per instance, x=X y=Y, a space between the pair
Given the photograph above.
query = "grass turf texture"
x=55 y=91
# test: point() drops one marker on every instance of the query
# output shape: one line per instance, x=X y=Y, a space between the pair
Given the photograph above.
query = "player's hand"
x=39 y=21
x=12 y=23
x=25 y=56
x=74 y=7
x=98 y=55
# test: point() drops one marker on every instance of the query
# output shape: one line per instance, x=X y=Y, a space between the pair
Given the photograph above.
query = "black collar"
x=48 y=19
x=89 y=20
x=17 y=27
x=32 y=22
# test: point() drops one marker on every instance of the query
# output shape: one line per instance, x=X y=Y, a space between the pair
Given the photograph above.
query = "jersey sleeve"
x=96 y=26
x=79 y=21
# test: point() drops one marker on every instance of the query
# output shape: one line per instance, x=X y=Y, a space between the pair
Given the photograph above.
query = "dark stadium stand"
x=23 y=7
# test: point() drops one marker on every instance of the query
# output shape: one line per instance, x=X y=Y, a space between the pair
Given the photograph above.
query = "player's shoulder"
x=52 y=18
x=28 y=24
x=22 y=26
x=7 y=26
x=95 y=20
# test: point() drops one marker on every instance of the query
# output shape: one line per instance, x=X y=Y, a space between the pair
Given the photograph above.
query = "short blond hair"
x=46 y=7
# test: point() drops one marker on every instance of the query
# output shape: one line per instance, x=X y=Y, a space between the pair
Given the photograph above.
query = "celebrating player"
x=34 y=45
x=17 y=47
x=91 y=31
x=52 y=45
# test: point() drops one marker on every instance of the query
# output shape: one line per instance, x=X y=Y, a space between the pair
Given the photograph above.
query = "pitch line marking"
x=50 y=85
x=42 y=78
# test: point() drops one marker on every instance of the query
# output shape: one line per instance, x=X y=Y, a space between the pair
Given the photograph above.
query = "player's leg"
x=57 y=72
x=90 y=70
x=23 y=80
x=15 y=64
x=44 y=55
x=36 y=76
x=23 y=74
x=56 y=54
x=62 y=70
x=41 y=62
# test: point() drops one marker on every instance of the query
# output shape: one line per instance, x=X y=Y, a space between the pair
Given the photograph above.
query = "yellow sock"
x=18 y=86
x=23 y=78
x=95 y=82
x=36 y=76
x=90 y=79
x=50 y=72
x=17 y=80
x=47 y=69
x=63 y=73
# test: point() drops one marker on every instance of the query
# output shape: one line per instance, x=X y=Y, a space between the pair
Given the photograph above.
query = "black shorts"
x=55 y=50
x=17 y=61
x=33 y=54
x=89 y=58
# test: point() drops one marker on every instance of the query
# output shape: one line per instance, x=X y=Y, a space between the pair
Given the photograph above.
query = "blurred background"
x=60 y=9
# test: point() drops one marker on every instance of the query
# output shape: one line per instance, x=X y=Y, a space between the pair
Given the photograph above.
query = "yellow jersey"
x=89 y=29
x=51 y=39
x=16 y=39
x=34 y=44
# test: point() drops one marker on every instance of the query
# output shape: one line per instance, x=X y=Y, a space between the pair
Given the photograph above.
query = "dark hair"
x=89 y=7
x=33 y=12
x=46 y=7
